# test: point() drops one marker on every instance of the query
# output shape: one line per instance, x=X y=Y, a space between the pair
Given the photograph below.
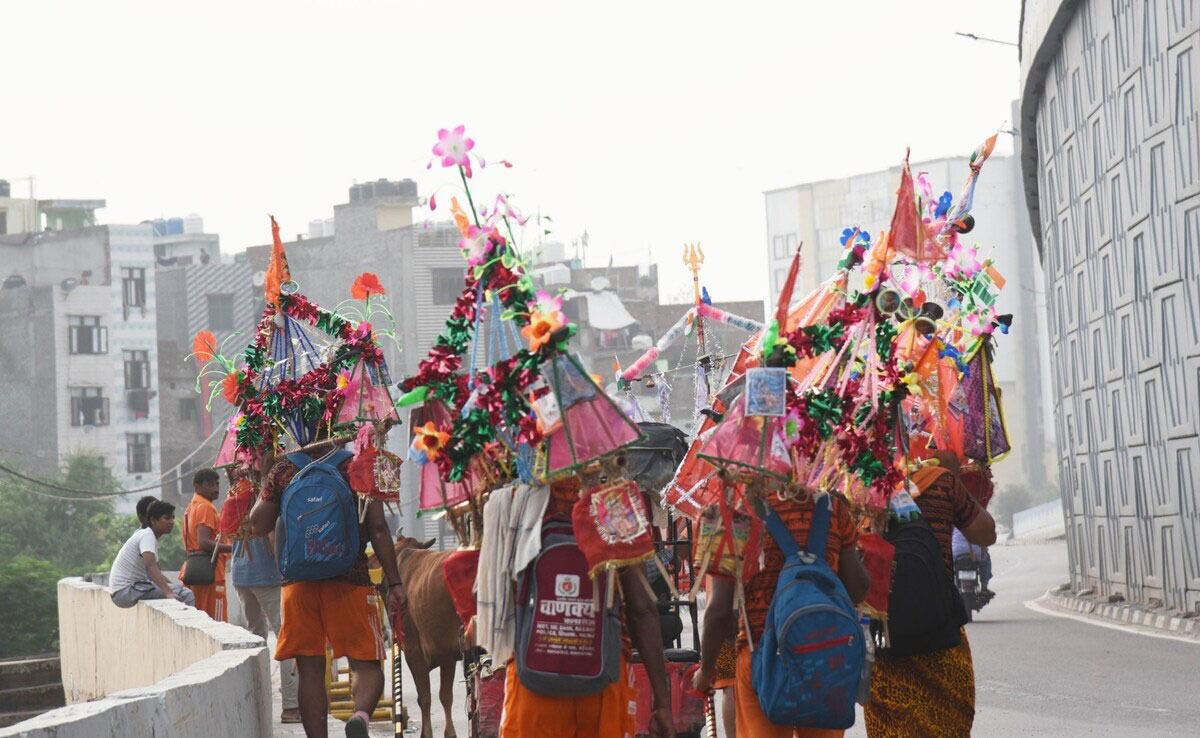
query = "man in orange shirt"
x=200 y=526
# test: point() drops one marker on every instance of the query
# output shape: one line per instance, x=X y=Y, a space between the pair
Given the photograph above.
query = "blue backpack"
x=317 y=533
x=806 y=668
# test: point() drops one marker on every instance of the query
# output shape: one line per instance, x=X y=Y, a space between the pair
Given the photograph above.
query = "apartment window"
x=133 y=287
x=778 y=250
x=87 y=335
x=137 y=452
x=137 y=370
x=447 y=285
x=220 y=312
x=3 y=222
x=789 y=245
x=89 y=406
x=187 y=409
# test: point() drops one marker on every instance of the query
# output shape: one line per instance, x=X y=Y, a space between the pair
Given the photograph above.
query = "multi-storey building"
x=197 y=292
x=420 y=266
x=1111 y=161
x=815 y=214
x=77 y=314
x=30 y=215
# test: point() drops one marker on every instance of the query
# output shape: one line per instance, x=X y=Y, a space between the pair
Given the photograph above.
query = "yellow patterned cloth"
x=927 y=696
x=726 y=665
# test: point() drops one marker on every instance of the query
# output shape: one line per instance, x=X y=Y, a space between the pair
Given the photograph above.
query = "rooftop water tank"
x=328 y=228
x=193 y=223
x=174 y=226
x=316 y=228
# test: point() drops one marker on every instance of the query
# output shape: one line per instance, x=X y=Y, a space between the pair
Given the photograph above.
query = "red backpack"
x=568 y=643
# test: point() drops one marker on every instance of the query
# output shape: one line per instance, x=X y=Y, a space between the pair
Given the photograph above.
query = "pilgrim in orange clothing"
x=200 y=526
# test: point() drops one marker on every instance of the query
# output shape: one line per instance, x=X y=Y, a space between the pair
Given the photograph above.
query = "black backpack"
x=925 y=610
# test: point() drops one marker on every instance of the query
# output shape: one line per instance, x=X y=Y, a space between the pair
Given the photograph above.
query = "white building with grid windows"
x=79 y=351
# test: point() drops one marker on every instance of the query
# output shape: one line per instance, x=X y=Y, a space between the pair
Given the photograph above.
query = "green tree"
x=28 y=606
x=1011 y=499
x=43 y=524
x=47 y=534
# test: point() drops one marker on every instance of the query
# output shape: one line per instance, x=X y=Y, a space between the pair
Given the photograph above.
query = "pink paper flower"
x=911 y=278
x=981 y=321
x=793 y=424
x=477 y=244
x=962 y=262
x=546 y=304
x=452 y=147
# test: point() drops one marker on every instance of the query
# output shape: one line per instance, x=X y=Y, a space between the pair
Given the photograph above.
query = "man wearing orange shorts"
x=720 y=618
x=200 y=526
x=342 y=611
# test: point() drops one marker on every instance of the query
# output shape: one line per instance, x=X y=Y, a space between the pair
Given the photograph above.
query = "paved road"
x=1041 y=675
x=1047 y=676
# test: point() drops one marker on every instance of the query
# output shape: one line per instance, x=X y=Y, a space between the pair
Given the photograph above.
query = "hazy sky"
x=649 y=123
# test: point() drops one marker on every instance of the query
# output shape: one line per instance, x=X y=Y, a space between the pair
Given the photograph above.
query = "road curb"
x=1124 y=613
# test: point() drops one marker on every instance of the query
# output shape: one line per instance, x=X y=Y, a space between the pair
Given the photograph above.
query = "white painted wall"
x=158 y=668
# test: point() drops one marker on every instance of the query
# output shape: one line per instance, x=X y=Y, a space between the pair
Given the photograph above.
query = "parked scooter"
x=968 y=575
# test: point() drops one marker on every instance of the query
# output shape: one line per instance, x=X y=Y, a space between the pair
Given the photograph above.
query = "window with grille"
x=220 y=312
x=89 y=406
x=447 y=285
x=87 y=335
x=137 y=452
x=133 y=287
x=137 y=370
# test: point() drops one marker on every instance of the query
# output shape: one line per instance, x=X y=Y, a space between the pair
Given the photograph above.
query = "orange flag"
x=277 y=271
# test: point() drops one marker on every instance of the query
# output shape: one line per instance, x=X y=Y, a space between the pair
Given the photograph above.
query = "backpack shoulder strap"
x=818 y=532
x=783 y=537
x=338 y=457
x=300 y=460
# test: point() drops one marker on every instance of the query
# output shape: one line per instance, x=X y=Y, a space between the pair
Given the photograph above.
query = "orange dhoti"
x=752 y=721
x=610 y=713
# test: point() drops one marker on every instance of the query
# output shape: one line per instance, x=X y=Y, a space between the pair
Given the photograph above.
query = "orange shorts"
x=342 y=614
x=211 y=599
x=750 y=718
x=611 y=713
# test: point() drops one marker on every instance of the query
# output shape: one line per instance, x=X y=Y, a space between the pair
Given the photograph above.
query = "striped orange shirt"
x=797 y=517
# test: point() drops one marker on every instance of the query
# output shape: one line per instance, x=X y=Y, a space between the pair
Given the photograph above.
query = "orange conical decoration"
x=277 y=271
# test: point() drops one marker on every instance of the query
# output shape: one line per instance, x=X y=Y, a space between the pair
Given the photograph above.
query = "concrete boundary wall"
x=1040 y=522
x=159 y=668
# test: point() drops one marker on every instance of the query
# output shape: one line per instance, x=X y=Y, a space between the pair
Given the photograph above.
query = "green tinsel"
x=823 y=407
x=255 y=357
x=868 y=468
x=312 y=409
x=824 y=337
x=471 y=433
x=330 y=323
x=885 y=334
x=248 y=436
